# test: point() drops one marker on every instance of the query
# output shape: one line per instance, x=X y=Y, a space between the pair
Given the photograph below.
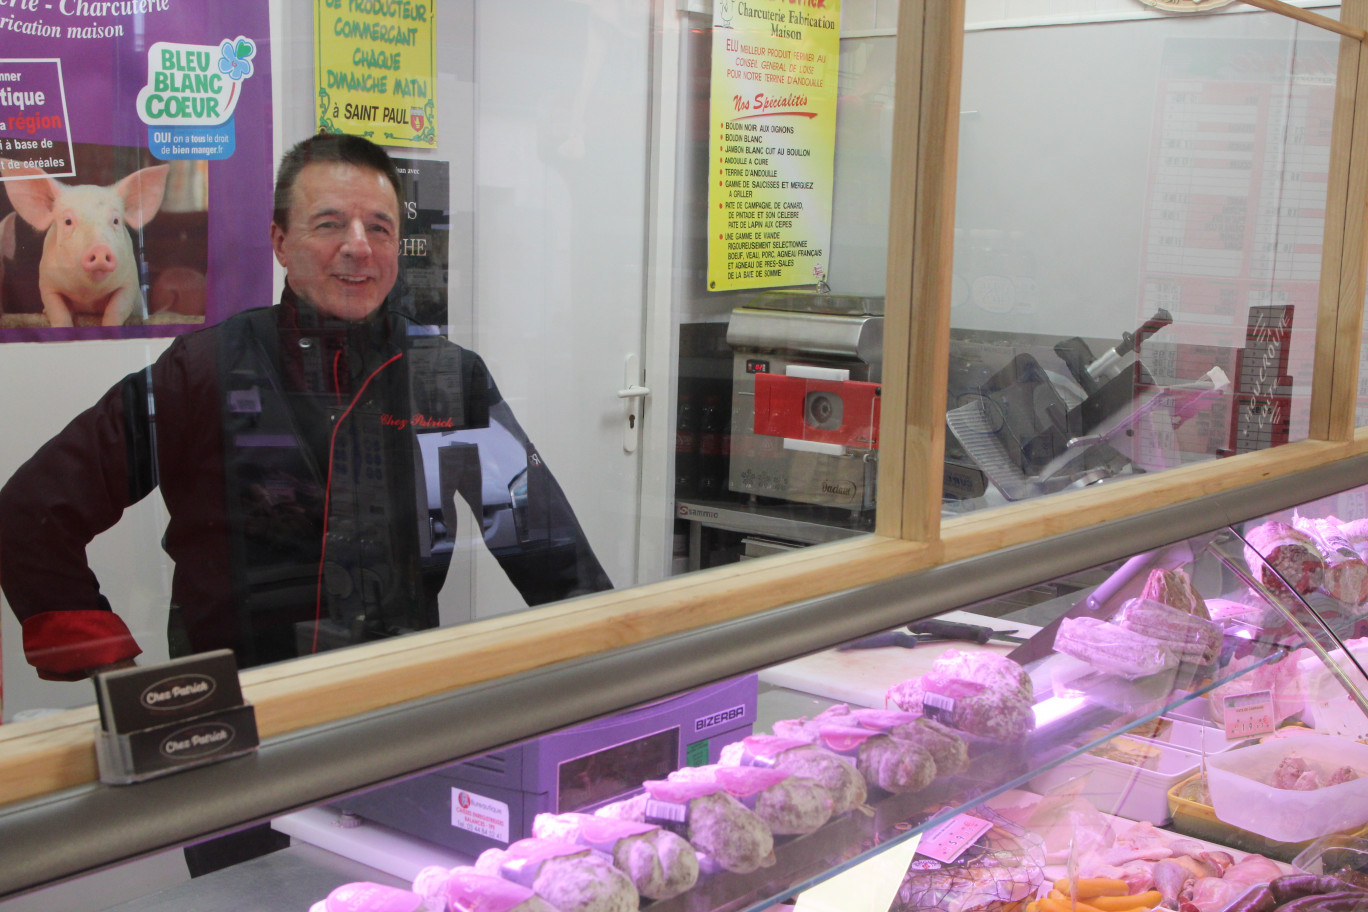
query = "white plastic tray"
x=1241 y=796
x=1190 y=736
x=1122 y=789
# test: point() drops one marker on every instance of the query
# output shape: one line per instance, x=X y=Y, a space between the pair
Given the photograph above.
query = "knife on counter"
x=933 y=630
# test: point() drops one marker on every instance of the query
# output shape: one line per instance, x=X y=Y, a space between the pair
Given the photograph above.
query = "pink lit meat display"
x=1088 y=776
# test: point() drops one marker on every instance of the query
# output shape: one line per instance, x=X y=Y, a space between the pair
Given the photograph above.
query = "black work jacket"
x=297 y=458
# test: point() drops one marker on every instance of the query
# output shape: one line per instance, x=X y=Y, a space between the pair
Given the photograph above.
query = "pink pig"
x=87 y=265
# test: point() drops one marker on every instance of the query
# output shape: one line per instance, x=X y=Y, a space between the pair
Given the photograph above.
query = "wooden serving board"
x=861 y=677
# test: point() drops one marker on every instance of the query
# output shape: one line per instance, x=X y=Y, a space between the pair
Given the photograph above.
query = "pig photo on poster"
x=123 y=243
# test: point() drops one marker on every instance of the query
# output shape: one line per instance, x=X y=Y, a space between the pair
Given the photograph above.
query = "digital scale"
x=491 y=801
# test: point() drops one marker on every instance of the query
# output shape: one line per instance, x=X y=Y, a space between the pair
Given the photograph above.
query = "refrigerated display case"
x=1062 y=753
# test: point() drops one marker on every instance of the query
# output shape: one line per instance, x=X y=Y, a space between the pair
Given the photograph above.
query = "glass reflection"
x=297 y=450
x=538 y=137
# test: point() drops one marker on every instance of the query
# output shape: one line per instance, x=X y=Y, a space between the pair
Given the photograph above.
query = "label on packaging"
x=479 y=815
x=466 y=892
x=669 y=815
x=949 y=840
x=1249 y=715
x=524 y=858
x=364 y=896
x=939 y=708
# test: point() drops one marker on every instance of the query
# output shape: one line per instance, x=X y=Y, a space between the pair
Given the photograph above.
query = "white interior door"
x=561 y=146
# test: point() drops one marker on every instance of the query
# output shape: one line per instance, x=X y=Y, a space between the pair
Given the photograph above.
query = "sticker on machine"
x=479 y=815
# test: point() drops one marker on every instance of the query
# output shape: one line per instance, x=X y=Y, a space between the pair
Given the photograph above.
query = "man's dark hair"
x=340 y=148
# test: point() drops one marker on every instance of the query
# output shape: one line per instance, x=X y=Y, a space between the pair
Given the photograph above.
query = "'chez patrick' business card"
x=132 y=699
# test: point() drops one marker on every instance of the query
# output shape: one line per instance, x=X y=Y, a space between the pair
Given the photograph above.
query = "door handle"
x=633 y=396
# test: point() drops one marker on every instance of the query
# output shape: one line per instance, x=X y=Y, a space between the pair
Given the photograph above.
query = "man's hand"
x=112 y=666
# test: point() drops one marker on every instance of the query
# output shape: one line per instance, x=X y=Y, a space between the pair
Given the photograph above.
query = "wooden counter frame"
x=55 y=753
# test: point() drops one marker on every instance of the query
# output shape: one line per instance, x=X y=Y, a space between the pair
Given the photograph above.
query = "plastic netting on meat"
x=998 y=873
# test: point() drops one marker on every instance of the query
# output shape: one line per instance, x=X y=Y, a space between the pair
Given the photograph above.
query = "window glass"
x=1137 y=247
x=777 y=406
x=464 y=400
x=308 y=476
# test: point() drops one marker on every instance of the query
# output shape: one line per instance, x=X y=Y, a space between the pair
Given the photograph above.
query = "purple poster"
x=135 y=166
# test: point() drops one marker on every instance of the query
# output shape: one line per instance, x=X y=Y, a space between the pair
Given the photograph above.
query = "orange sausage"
x=1122 y=903
x=1094 y=886
x=1064 y=898
x=1052 y=904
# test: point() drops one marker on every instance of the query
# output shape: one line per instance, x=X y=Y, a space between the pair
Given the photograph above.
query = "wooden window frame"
x=57 y=752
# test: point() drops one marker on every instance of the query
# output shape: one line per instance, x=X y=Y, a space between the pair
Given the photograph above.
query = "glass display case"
x=1188 y=720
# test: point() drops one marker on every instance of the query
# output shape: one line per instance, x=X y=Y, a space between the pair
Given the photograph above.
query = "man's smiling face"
x=341 y=247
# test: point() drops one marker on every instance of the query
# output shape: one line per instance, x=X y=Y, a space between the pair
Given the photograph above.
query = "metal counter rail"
x=68 y=833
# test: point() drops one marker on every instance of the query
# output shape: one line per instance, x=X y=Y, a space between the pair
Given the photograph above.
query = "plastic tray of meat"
x=1292 y=789
x=1190 y=804
x=1345 y=857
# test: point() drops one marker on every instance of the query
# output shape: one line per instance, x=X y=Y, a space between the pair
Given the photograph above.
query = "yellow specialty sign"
x=376 y=71
x=772 y=142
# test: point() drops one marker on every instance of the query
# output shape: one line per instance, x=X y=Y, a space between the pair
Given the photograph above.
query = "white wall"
x=980 y=14
x=49 y=385
x=1058 y=145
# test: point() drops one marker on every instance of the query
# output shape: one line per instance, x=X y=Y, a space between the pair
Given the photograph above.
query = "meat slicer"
x=1034 y=433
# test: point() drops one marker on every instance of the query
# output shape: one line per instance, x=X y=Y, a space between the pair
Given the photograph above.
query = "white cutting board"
x=861 y=677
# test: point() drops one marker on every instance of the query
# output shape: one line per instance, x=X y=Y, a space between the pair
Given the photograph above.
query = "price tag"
x=947 y=842
x=1248 y=715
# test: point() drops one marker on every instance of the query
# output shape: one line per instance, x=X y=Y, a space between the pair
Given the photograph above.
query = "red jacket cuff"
x=62 y=645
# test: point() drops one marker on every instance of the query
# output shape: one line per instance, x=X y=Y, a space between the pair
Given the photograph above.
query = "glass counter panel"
x=1137 y=247
x=1089 y=726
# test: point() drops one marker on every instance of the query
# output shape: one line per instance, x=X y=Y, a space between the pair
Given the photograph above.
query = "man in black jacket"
x=294 y=447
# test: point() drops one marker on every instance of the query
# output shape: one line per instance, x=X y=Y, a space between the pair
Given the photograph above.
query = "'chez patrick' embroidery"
x=419 y=420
